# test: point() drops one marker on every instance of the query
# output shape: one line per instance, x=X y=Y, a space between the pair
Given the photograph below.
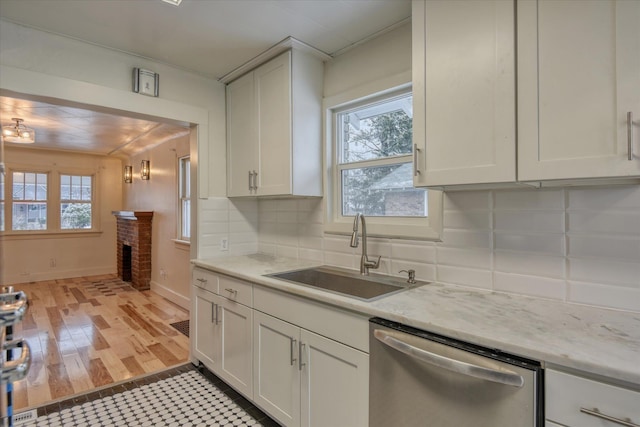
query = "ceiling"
x=208 y=37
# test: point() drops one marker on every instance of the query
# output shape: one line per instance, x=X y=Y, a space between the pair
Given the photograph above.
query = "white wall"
x=580 y=245
x=170 y=267
x=28 y=258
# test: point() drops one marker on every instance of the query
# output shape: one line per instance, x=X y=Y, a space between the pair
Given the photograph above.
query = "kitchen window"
x=371 y=154
x=184 y=198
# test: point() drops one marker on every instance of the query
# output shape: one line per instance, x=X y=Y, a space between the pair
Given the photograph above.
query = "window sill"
x=388 y=228
x=182 y=244
x=32 y=235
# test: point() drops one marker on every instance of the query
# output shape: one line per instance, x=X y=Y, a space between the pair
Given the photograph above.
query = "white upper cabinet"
x=578 y=78
x=463 y=92
x=274 y=116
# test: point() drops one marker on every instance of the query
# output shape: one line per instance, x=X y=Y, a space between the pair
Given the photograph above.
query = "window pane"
x=65 y=187
x=186 y=219
x=74 y=216
x=41 y=186
x=382 y=191
x=86 y=188
x=29 y=216
x=376 y=131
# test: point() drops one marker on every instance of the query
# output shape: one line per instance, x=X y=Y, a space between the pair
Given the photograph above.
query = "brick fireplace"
x=134 y=247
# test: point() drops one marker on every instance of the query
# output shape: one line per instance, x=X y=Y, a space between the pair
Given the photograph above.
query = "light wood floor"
x=90 y=332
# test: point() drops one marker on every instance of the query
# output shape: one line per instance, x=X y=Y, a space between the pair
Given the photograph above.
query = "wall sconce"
x=128 y=174
x=145 y=170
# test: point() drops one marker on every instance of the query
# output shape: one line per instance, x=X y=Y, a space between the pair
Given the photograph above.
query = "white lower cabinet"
x=223 y=334
x=574 y=401
x=304 y=379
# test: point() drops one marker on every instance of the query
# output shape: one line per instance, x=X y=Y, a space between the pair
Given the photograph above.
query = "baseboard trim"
x=11 y=279
x=171 y=295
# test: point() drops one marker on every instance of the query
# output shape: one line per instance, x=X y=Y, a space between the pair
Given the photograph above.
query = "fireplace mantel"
x=133 y=215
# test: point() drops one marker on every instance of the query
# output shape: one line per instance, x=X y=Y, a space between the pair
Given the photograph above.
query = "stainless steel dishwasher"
x=422 y=379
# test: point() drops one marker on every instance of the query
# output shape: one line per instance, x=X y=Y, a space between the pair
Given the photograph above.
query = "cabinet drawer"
x=205 y=279
x=332 y=322
x=236 y=290
x=567 y=394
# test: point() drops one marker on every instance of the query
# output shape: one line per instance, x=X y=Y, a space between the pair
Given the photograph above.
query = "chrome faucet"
x=365 y=264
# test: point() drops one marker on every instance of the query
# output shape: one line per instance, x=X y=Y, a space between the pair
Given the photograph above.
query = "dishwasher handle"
x=497 y=376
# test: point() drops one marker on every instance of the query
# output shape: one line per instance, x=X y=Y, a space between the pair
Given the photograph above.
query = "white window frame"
x=61 y=201
x=413 y=228
x=54 y=200
x=184 y=195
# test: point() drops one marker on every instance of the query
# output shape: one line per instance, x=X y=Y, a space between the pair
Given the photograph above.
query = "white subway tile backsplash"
x=529 y=263
x=602 y=270
x=535 y=221
x=620 y=248
x=465 y=276
x=581 y=245
x=605 y=295
x=610 y=222
x=466 y=238
x=530 y=285
x=474 y=258
x=605 y=198
x=479 y=220
x=549 y=243
x=467 y=200
x=529 y=199
x=417 y=251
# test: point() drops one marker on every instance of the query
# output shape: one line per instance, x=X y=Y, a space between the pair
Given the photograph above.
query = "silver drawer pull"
x=416 y=171
x=233 y=291
x=501 y=377
x=201 y=280
x=596 y=413
x=292 y=357
x=16 y=370
x=629 y=135
x=301 y=346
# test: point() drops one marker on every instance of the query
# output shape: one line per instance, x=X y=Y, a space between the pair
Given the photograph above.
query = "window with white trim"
x=76 y=201
x=375 y=159
x=47 y=201
x=29 y=200
x=184 y=198
x=371 y=152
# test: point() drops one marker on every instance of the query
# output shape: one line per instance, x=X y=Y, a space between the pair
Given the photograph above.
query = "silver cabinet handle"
x=218 y=307
x=596 y=413
x=255 y=180
x=201 y=280
x=250 y=182
x=292 y=346
x=480 y=372
x=232 y=291
x=16 y=370
x=416 y=171
x=300 y=350
x=629 y=135
x=213 y=313
x=13 y=307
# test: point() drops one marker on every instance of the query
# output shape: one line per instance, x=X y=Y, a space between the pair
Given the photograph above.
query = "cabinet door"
x=236 y=340
x=273 y=101
x=578 y=77
x=335 y=383
x=242 y=142
x=464 y=92
x=276 y=387
x=207 y=333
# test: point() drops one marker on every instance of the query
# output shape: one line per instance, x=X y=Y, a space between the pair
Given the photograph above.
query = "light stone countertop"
x=596 y=341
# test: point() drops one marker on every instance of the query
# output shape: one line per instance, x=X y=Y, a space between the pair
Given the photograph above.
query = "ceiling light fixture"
x=173 y=2
x=18 y=133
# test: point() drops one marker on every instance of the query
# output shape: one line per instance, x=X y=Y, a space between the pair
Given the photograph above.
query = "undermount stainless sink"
x=347 y=282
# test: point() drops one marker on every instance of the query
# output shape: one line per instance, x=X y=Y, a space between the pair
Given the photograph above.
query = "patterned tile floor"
x=183 y=396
